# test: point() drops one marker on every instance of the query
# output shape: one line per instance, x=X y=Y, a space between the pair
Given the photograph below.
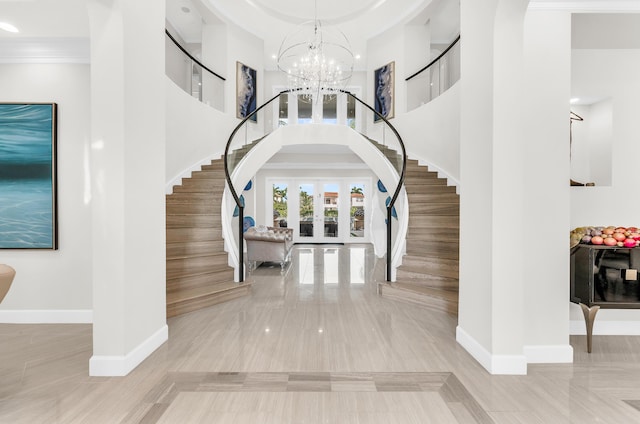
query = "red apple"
x=597 y=240
x=629 y=243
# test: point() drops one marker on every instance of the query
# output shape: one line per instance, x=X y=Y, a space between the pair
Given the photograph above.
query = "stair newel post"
x=389 y=242
x=240 y=243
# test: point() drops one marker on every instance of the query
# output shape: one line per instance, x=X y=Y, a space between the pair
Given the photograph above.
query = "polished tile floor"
x=313 y=345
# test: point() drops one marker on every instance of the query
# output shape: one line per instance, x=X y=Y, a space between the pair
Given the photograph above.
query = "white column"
x=547 y=201
x=128 y=178
x=491 y=317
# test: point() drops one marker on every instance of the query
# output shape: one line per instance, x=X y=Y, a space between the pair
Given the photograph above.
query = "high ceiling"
x=273 y=20
x=58 y=30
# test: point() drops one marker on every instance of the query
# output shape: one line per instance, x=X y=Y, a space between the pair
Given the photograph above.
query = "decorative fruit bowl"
x=606 y=236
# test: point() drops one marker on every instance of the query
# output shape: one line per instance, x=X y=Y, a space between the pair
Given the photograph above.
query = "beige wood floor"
x=315 y=345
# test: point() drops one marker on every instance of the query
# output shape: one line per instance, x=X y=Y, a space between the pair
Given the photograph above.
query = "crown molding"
x=599 y=6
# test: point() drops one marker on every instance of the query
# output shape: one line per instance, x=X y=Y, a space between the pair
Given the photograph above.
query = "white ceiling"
x=273 y=20
x=58 y=30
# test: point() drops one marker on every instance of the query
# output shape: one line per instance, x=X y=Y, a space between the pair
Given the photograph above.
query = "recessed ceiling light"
x=273 y=56
x=185 y=9
x=574 y=100
x=357 y=56
x=8 y=27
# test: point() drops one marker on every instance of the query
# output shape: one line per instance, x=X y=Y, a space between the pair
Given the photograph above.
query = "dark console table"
x=604 y=277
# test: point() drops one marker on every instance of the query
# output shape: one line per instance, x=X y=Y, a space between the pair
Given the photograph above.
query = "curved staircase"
x=429 y=271
x=198 y=274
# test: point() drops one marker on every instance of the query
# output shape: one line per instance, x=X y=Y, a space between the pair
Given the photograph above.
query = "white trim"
x=44 y=316
x=495 y=364
x=551 y=354
x=608 y=6
x=121 y=365
x=605 y=328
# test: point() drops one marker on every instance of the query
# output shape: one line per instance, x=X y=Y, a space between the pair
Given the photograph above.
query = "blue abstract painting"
x=246 y=91
x=28 y=176
x=384 y=91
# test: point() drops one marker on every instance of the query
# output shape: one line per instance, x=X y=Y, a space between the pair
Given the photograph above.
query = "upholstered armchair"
x=268 y=244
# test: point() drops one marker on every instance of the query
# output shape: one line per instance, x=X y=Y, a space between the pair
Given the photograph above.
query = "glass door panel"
x=306 y=209
x=305 y=111
x=357 y=210
x=280 y=206
x=330 y=110
x=351 y=112
x=283 y=112
x=330 y=196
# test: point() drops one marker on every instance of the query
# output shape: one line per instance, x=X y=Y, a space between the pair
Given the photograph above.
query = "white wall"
x=56 y=280
x=196 y=133
x=431 y=134
x=380 y=51
x=248 y=49
x=611 y=73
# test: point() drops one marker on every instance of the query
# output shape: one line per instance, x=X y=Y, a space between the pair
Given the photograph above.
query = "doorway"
x=322 y=210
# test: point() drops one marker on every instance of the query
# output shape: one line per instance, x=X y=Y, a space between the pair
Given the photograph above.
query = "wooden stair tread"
x=450 y=295
x=437 y=299
x=222 y=275
x=204 y=301
x=195 y=292
x=426 y=279
x=193 y=234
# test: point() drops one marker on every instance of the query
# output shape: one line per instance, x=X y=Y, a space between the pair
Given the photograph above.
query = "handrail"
x=436 y=59
x=166 y=31
x=240 y=204
x=236 y=198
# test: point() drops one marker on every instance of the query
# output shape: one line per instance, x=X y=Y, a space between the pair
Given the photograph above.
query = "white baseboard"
x=495 y=364
x=552 y=354
x=44 y=316
x=121 y=365
x=605 y=328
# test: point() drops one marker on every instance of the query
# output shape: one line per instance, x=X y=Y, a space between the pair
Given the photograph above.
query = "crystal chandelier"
x=318 y=60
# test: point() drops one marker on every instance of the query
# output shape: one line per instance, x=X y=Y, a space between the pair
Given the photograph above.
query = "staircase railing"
x=375 y=127
x=435 y=78
x=231 y=161
x=192 y=75
x=399 y=163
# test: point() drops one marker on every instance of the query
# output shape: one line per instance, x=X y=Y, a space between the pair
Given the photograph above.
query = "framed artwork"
x=246 y=91
x=28 y=198
x=383 y=79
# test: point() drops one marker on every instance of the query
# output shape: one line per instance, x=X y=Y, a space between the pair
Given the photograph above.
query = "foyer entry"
x=322 y=210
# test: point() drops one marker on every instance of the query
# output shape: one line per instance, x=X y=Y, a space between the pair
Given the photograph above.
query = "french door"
x=322 y=210
x=319 y=212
